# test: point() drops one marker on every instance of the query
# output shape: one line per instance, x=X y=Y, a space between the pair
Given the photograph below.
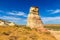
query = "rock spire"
x=33 y=20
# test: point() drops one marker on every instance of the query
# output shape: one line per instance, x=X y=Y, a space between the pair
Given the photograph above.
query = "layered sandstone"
x=34 y=21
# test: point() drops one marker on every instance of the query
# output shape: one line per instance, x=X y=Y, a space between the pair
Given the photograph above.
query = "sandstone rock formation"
x=25 y=33
x=33 y=20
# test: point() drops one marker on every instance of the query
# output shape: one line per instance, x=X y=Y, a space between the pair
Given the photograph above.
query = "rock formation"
x=33 y=20
x=6 y=23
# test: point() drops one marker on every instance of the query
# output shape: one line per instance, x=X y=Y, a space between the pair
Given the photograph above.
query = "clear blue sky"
x=17 y=10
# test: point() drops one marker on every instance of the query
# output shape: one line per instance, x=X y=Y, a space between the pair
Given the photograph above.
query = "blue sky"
x=17 y=10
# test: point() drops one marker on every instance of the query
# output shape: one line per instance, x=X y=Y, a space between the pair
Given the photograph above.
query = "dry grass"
x=23 y=33
x=56 y=34
x=53 y=27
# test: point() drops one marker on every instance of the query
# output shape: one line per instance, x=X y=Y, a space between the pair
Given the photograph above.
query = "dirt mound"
x=23 y=33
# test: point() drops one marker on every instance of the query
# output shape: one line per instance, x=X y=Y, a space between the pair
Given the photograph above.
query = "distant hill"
x=6 y=23
x=52 y=25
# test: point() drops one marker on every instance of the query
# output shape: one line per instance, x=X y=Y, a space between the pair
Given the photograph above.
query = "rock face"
x=33 y=20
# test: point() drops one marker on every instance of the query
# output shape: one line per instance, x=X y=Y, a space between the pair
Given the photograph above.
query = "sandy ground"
x=56 y=34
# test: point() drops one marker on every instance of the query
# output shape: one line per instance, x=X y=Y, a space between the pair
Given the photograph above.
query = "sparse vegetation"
x=23 y=33
x=53 y=27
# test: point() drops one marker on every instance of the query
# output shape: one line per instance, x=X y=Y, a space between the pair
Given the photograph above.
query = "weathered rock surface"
x=33 y=20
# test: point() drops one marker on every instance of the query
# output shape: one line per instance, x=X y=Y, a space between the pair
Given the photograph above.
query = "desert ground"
x=54 y=30
x=56 y=34
x=22 y=32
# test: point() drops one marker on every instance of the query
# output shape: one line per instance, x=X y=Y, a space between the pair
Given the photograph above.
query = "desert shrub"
x=33 y=37
x=46 y=32
x=28 y=28
x=13 y=38
x=23 y=33
x=53 y=27
x=6 y=33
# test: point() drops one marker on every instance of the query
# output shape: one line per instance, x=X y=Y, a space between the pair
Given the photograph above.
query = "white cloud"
x=49 y=10
x=51 y=20
x=14 y=19
x=20 y=13
x=54 y=11
x=9 y=18
x=17 y=13
x=11 y=13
